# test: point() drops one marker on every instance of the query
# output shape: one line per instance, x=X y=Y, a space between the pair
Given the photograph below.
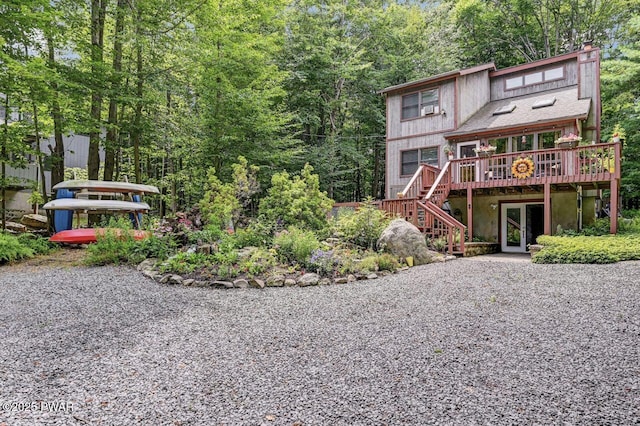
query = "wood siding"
x=570 y=79
x=434 y=123
x=473 y=94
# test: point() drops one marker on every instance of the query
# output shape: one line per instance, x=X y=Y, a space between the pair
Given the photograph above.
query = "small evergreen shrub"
x=364 y=226
x=297 y=201
x=295 y=245
x=11 y=249
x=114 y=247
x=184 y=262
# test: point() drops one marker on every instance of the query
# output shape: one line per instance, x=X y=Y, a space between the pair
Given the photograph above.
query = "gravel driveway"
x=472 y=341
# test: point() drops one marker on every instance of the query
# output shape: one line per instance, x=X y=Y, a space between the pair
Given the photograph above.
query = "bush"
x=324 y=262
x=295 y=245
x=184 y=262
x=585 y=249
x=259 y=262
x=153 y=247
x=114 y=247
x=11 y=249
x=38 y=244
x=297 y=201
x=364 y=226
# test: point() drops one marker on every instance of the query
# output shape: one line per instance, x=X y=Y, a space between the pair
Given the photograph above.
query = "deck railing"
x=588 y=163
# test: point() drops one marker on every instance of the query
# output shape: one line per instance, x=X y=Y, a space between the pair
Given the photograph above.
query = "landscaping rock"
x=150 y=274
x=16 y=227
x=200 y=283
x=188 y=282
x=175 y=279
x=341 y=280
x=324 y=281
x=146 y=265
x=253 y=282
x=164 y=279
x=275 y=281
x=372 y=276
x=403 y=239
x=351 y=278
x=228 y=284
x=206 y=248
x=37 y=221
x=309 y=279
x=289 y=282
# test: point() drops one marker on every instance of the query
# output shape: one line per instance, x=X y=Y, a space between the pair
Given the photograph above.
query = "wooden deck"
x=589 y=165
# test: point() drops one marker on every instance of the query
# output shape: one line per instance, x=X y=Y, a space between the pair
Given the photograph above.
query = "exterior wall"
x=570 y=79
x=76 y=149
x=486 y=222
x=18 y=203
x=589 y=87
x=434 y=123
x=395 y=182
x=474 y=92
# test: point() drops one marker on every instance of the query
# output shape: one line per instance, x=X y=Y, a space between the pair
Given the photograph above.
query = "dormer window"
x=542 y=103
x=426 y=102
x=506 y=109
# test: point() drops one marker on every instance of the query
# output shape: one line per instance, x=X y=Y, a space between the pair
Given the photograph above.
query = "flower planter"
x=485 y=153
x=566 y=144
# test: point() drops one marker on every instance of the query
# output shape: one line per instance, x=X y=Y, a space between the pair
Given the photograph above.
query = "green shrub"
x=295 y=245
x=587 y=249
x=114 y=247
x=157 y=247
x=364 y=226
x=184 y=262
x=12 y=249
x=388 y=262
x=39 y=245
x=629 y=225
x=259 y=262
x=297 y=201
x=324 y=262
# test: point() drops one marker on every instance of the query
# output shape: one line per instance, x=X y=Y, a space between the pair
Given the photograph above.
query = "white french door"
x=521 y=224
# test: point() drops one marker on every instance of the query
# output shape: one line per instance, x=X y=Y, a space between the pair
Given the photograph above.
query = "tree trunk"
x=97 y=42
x=136 y=131
x=57 y=152
x=3 y=166
x=111 y=142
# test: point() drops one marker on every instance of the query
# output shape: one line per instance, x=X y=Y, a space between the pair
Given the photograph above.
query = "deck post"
x=547 y=209
x=469 y=214
x=614 y=206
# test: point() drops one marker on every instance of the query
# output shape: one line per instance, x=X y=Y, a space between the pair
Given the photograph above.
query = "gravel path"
x=472 y=341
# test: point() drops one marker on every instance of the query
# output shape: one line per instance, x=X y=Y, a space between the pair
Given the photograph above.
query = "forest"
x=175 y=92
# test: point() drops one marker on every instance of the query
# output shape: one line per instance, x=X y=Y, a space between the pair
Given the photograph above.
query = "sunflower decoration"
x=522 y=168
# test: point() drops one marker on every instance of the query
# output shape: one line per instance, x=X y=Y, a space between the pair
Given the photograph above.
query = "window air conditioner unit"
x=426 y=110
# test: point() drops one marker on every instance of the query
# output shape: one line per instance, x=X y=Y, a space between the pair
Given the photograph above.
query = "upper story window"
x=534 y=78
x=420 y=103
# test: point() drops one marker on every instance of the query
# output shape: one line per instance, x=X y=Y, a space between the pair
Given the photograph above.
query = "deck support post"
x=469 y=214
x=547 y=209
x=613 y=212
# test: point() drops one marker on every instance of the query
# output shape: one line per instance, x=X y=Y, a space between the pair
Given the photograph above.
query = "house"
x=509 y=177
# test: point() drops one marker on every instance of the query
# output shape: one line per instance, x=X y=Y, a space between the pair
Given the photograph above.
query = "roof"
x=440 y=77
x=566 y=107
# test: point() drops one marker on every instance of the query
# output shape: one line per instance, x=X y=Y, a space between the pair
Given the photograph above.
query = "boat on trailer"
x=97 y=197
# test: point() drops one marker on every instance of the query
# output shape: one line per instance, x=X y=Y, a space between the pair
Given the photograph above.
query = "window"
x=534 y=78
x=410 y=159
x=542 y=103
x=554 y=74
x=421 y=103
x=547 y=140
x=506 y=109
x=500 y=144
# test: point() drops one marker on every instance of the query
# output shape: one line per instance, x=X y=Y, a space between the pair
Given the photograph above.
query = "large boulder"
x=37 y=221
x=403 y=239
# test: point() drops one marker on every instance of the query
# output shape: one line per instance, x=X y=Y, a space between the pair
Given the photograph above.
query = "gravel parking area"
x=471 y=341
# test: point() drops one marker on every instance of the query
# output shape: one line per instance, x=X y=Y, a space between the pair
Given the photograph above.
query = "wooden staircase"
x=421 y=204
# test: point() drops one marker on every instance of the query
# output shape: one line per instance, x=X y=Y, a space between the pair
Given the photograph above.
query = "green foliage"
x=39 y=245
x=296 y=245
x=184 y=262
x=156 y=247
x=388 y=262
x=220 y=205
x=297 y=201
x=599 y=227
x=113 y=247
x=364 y=226
x=584 y=249
x=12 y=249
x=260 y=261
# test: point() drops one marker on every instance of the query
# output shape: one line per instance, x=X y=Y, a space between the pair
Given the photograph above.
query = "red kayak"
x=89 y=235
